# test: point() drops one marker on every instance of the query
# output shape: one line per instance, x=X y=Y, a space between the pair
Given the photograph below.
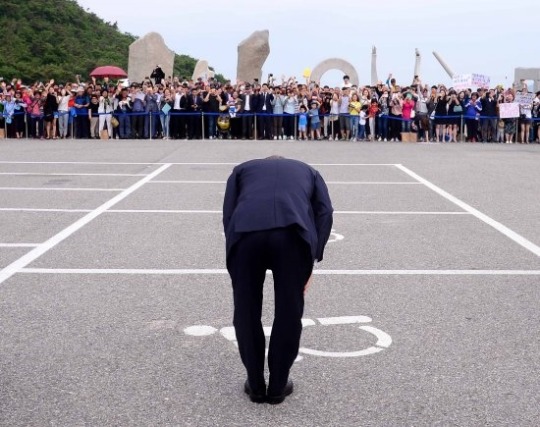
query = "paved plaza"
x=116 y=308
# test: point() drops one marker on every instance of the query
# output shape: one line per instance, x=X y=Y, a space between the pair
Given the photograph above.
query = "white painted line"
x=18 y=245
x=122 y=271
x=228 y=333
x=427 y=272
x=35 y=253
x=383 y=339
x=79 y=163
x=328 y=182
x=188 y=182
x=398 y=213
x=200 y=330
x=343 y=320
x=69 y=174
x=308 y=322
x=59 y=189
x=182 y=211
x=157 y=211
x=181 y=163
x=216 y=271
x=335 y=237
x=520 y=240
x=340 y=354
x=45 y=210
x=195 y=211
x=353 y=164
x=372 y=183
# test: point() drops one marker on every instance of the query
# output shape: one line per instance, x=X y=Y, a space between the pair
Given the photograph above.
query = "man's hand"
x=308 y=284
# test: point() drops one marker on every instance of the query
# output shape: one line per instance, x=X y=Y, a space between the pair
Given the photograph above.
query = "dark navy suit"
x=277 y=216
x=264 y=118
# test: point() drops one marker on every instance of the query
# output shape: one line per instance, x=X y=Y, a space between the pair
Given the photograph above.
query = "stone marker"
x=527 y=74
x=202 y=70
x=147 y=52
x=252 y=54
x=335 y=64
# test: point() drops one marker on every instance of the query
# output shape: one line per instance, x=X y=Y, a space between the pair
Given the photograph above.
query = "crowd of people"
x=174 y=108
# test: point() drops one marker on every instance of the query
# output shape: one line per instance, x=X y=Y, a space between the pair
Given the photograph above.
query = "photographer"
x=158 y=75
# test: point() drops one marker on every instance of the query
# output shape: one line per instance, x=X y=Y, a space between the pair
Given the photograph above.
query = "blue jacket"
x=471 y=110
x=264 y=194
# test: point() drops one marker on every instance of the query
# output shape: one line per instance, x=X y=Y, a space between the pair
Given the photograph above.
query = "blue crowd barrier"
x=159 y=115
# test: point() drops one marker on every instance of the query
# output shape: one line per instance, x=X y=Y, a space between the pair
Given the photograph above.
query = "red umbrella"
x=108 y=71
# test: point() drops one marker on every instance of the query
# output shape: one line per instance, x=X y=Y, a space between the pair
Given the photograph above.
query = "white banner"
x=461 y=81
x=509 y=110
x=524 y=98
x=480 y=81
x=470 y=81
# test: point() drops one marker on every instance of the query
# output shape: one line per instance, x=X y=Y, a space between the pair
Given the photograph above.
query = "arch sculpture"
x=335 y=64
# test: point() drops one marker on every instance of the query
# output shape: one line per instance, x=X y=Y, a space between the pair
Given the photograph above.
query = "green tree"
x=59 y=39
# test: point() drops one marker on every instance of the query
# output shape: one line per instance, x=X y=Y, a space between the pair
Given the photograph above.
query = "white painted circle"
x=200 y=330
x=383 y=341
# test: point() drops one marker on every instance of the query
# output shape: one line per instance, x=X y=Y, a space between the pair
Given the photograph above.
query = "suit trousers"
x=288 y=256
x=264 y=126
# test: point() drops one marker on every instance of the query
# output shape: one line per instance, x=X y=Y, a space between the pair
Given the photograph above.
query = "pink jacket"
x=408 y=106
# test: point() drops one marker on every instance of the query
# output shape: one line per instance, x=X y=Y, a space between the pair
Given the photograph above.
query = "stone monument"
x=527 y=74
x=147 y=52
x=448 y=70
x=335 y=64
x=374 y=75
x=202 y=70
x=252 y=54
x=417 y=63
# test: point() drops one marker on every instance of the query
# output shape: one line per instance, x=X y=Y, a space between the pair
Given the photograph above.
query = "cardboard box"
x=409 y=137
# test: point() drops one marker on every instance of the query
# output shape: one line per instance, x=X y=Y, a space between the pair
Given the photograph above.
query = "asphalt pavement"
x=116 y=309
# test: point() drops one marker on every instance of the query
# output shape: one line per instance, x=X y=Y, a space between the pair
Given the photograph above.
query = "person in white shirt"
x=105 y=109
x=63 y=112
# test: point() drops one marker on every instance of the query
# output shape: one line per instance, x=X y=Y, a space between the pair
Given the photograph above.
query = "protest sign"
x=470 y=81
x=461 y=81
x=524 y=98
x=480 y=81
x=509 y=110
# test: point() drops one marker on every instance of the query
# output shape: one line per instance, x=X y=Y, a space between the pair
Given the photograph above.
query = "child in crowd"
x=302 y=123
x=362 y=130
x=315 y=121
x=500 y=131
x=373 y=111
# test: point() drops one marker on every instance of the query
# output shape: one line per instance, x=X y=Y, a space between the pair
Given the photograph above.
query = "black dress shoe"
x=256 y=397
x=276 y=399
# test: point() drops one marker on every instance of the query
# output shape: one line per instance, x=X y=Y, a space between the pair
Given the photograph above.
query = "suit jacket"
x=195 y=100
x=264 y=194
x=253 y=102
x=268 y=103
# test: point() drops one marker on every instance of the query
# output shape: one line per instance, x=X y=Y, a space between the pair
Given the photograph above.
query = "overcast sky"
x=489 y=37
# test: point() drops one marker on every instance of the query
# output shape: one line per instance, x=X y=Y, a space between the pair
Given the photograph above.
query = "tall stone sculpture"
x=417 y=63
x=374 y=76
x=202 y=70
x=147 y=52
x=444 y=65
x=252 y=54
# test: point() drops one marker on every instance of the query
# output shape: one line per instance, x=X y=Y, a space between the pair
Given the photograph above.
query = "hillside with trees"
x=59 y=39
